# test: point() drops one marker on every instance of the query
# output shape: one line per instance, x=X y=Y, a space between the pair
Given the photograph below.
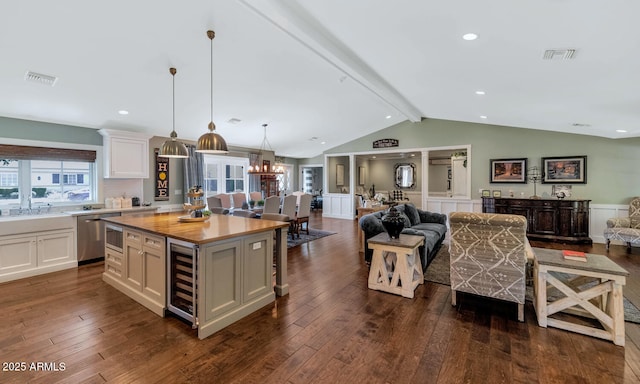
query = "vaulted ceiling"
x=322 y=73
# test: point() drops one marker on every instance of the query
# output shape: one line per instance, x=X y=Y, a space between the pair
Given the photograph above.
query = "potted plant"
x=260 y=203
x=252 y=203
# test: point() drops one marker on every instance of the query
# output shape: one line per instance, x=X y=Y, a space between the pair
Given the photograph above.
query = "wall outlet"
x=257 y=245
x=480 y=190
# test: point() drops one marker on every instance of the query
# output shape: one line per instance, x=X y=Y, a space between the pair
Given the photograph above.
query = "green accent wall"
x=613 y=165
x=39 y=131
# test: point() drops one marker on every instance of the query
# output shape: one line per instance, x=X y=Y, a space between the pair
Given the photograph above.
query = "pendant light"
x=173 y=147
x=211 y=142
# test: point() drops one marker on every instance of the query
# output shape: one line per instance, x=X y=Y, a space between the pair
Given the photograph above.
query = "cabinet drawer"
x=114 y=258
x=153 y=242
x=113 y=269
x=133 y=237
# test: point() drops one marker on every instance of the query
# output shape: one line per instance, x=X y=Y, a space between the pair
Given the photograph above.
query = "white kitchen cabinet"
x=126 y=154
x=36 y=253
x=55 y=248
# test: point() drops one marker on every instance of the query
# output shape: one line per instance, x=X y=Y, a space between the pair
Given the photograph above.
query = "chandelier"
x=260 y=167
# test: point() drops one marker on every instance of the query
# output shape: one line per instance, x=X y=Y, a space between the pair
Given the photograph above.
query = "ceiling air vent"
x=234 y=121
x=559 y=54
x=40 y=78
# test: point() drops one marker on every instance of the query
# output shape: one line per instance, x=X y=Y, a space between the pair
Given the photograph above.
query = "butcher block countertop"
x=218 y=227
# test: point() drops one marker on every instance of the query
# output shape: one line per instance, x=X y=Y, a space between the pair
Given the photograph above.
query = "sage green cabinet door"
x=222 y=286
x=257 y=265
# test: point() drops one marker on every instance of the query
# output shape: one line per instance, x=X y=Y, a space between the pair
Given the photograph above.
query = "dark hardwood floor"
x=329 y=329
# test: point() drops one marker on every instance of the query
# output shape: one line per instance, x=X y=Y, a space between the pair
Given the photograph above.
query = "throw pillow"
x=407 y=222
x=412 y=212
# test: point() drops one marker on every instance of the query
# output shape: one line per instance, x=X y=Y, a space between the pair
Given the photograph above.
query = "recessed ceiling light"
x=413 y=155
x=470 y=36
x=483 y=116
x=373 y=157
x=123 y=112
x=388 y=116
x=621 y=130
x=480 y=92
x=323 y=142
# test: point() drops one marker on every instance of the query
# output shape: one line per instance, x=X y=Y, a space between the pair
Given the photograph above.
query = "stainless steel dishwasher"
x=91 y=236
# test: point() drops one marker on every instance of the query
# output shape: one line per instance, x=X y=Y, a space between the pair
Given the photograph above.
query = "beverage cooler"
x=182 y=287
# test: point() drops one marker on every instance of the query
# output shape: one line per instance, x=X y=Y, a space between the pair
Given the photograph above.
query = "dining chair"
x=271 y=205
x=302 y=216
x=289 y=209
x=244 y=213
x=225 y=199
x=255 y=196
x=214 y=202
x=239 y=200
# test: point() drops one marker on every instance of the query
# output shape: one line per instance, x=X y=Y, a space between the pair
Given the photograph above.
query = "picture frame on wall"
x=486 y=193
x=497 y=193
x=361 y=175
x=339 y=174
x=512 y=171
x=564 y=170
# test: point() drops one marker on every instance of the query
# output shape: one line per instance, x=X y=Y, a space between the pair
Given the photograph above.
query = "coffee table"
x=592 y=289
x=395 y=265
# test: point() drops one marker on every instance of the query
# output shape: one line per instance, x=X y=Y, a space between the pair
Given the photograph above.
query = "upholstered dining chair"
x=225 y=199
x=271 y=205
x=255 y=196
x=214 y=202
x=239 y=200
x=244 y=213
x=289 y=209
x=488 y=256
x=302 y=216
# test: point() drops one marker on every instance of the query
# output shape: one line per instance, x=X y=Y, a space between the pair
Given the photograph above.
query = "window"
x=50 y=178
x=223 y=174
x=234 y=178
x=285 y=181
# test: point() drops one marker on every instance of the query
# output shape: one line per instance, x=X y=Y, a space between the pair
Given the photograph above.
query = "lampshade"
x=173 y=147
x=211 y=142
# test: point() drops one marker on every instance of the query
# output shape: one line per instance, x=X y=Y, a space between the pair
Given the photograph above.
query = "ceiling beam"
x=295 y=21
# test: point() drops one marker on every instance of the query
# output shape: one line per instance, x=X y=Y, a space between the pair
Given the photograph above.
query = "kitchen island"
x=211 y=272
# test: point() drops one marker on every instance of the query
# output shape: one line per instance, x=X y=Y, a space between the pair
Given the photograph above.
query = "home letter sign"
x=162 y=177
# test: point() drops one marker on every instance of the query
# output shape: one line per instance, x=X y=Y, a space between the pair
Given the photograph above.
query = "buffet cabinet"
x=547 y=219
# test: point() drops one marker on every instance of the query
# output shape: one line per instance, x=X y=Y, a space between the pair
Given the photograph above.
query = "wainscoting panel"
x=338 y=205
x=598 y=219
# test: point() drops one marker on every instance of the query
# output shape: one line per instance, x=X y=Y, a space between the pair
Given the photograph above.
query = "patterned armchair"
x=488 y=256
x=626 y=229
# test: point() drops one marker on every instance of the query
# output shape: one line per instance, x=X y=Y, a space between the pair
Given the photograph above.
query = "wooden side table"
x=365 y=211
x=601 y=300
x=395 y=265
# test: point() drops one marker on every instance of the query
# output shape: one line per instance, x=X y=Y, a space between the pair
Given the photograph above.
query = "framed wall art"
x=508 y=171
x=339 y=174
x=564 y=170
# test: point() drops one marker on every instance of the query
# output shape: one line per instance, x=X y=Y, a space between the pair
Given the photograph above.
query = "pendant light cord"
x=211 y=35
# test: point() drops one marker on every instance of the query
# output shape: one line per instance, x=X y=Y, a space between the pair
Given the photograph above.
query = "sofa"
x=432 y=226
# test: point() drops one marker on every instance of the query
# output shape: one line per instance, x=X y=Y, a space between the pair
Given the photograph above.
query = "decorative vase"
x=393 y=223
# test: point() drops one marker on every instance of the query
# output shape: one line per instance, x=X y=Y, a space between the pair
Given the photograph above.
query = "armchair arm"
x=618 y=222
x=432 y=217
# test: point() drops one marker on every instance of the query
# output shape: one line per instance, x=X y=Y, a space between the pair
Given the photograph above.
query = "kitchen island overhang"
x=232 y=265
